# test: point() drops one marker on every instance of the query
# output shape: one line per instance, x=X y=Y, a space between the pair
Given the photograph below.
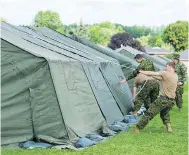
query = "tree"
x=60 y=29
x=78 y=30
x=156 y=31
x=72 y=28
x=137 y=31
x=143 y=40
x=48 y=19
x=155 y=41
x=83 y=30
x=176 y=34
x=101 y=33
x=124 y=39
x=167 y=46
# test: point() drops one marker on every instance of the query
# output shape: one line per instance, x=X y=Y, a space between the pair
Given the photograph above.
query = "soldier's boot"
x=169 y=129
x=134 y=113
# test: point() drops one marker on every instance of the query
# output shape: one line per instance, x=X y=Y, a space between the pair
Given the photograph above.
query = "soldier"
x=149 y=91
x=145 y=64
x=165 y=100
x=181 y=72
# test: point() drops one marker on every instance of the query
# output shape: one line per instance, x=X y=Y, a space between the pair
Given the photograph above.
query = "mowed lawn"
x=153 y=140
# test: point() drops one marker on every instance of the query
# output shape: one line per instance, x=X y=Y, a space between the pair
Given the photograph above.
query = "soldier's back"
x=147 y=65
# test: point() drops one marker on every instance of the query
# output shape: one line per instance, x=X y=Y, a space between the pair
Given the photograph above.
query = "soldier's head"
x=138 y=58
x=176 y=58
x=170 y=66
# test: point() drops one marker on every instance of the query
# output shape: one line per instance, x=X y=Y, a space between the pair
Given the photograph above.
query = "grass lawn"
x=153 y=140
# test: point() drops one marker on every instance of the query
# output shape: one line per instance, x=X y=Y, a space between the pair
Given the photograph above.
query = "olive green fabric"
x=22 y=79
x=28 y=111
x=164 y=58
x=76 y=99
x=51 y=91
x=118 y=90
x=102 y=93
x=123 y=60
x=127 y=64
x=63 y=41
x=62 y=48
x=130 y=52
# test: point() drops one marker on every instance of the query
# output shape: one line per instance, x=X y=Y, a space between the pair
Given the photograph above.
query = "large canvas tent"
x=55 y=90
x=111 y=70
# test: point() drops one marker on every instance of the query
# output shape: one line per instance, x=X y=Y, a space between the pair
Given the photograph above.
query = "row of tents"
x=57 y=88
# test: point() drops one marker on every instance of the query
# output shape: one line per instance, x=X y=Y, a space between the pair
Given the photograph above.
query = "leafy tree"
x=102 y=32
x=143 y=40
x=72 y=28
x=83 y=31
x=176 y=34
x=155 y=41
x=167 y=46
x=48 y=19
x=137 y=31
x=157 y=31
x=60 y=29
x=78 y=30
x=159 y=42
x=124 y=39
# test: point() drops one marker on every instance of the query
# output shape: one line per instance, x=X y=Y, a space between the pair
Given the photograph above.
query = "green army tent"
x=53 y=92
x=127 y=64
x=165 y=58
x=111 y=71
x=131 y=52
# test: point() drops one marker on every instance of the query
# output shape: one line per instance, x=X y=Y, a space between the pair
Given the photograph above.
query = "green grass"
x=153 y=140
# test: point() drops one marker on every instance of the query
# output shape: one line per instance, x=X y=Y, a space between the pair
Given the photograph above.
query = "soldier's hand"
x=179 y=83
x=123 y=81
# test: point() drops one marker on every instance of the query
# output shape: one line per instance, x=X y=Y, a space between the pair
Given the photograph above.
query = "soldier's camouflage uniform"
x=146 y=65
x=148 y=94
x=181 y=72
x=160 y=105
x=142 y=98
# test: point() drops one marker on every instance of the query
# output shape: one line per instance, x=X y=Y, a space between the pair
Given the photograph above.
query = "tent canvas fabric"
x=55 y=92
x=112 y=65
x=165 y=58
x=25 y=108
x=127 y=63
x=131 y=52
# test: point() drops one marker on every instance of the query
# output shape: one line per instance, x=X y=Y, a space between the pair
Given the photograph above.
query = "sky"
x=126 y=12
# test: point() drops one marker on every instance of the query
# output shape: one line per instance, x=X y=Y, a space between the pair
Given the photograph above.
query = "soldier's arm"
x=134 y=91
x=150 y=73
x=157 y=77
x=133 y=74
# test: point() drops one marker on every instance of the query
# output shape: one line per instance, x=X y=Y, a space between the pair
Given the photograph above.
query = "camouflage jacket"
x=181 y=72
x=146 y=65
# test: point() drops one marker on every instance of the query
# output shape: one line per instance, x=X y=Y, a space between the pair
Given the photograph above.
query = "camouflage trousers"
x=179 y=92
x=147 y=95
x=162 y=106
